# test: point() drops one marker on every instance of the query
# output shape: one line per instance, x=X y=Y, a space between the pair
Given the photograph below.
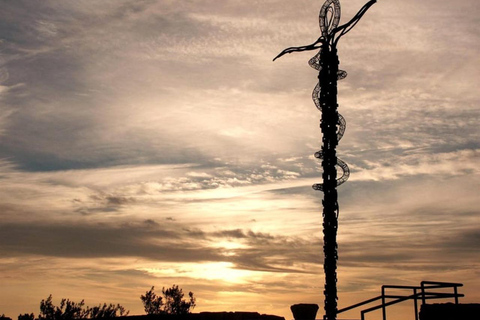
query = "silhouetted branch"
x=344 y=29
x=302 y=48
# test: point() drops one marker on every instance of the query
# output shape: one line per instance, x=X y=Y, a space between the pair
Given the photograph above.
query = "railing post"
x=456 y=294
x=423 y=292
x=384 y=310
x=415 y=303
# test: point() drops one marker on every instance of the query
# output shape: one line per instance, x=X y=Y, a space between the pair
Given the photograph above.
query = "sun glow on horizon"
x=219 y=271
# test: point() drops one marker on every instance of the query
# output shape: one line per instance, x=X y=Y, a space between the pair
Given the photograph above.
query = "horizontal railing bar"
x=446 y=284
x=358 y=304
x=442 y=282
x=397 y=297
x=400 y=287
x=387 y=304
x=430 y=296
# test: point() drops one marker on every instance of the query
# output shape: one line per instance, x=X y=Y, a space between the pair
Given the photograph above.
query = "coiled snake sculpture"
x=329 y=18
x=341 y=124
x=333 y=127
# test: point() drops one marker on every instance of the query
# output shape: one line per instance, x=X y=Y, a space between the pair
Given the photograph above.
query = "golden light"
x=219 y=271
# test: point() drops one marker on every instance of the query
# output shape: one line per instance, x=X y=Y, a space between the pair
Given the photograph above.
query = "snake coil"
x=329 y=18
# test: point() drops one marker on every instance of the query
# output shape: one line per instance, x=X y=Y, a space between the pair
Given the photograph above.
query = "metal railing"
x=422 y=292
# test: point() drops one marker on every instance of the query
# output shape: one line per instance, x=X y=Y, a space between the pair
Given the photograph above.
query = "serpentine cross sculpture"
x=332 y=125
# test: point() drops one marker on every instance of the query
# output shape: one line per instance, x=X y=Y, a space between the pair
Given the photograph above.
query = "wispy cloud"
x=155 y=142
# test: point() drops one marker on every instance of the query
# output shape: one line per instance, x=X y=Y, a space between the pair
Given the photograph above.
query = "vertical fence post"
x=384 y=309
x=415 y=303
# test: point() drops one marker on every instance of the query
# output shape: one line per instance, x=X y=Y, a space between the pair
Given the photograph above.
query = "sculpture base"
x=304 y=311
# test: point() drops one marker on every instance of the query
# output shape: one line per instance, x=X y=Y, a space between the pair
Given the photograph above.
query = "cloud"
x=80 y=91
x=155 y=141
x=152 y=241
x=81 y=241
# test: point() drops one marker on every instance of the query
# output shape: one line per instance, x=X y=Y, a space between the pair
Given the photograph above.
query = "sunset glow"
x=151 y=143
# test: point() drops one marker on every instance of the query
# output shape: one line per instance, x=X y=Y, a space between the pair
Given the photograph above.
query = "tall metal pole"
x=328 y=100
x=333 y=126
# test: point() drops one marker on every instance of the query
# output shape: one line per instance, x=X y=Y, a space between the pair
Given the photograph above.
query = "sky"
x=154 y=142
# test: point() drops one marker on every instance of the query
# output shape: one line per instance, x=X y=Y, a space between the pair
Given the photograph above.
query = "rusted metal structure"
x=332 y=125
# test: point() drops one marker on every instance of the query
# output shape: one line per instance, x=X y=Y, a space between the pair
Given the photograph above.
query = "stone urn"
x=304 y=311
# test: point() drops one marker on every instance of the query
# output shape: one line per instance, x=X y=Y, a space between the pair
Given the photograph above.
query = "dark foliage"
x=107 y=311
x=70 y=310
x=26 y=316
x=66 y=311
x=151 y=302
x=172 y=302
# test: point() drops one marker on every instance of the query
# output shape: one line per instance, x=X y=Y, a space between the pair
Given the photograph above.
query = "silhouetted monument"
x=304 y=311
x=333 y=126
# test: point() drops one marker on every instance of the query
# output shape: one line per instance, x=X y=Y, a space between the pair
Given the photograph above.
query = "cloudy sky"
x=154 y=142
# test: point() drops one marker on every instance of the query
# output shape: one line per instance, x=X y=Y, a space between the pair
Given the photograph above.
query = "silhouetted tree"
x=69 y=310
x=107 y=311
x=173 y=301
x=26 y=316
x=66 y=311
x=151 y=302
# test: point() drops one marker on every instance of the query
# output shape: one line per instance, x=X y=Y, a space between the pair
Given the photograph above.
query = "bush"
x=26 y=316
x=69 y=310
x=173 y=301
x=107 y=311
x=66 y=311
x=151 y=302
